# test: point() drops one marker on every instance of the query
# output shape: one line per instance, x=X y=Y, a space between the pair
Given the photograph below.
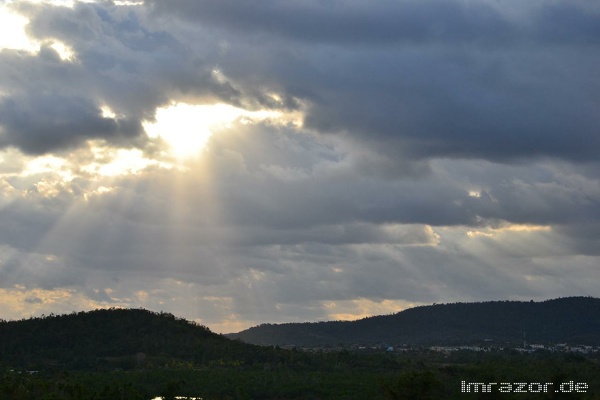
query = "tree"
x=414 y=385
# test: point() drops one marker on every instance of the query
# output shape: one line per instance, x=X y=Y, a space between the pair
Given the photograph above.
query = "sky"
x=237 y=163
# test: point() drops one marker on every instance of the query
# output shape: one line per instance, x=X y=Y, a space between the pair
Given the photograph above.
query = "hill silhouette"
x=138 y=355
x=572 y=320
x=132 y=338
x=114 y=338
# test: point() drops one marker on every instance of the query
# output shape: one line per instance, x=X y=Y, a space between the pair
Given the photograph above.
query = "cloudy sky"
x=238 y=162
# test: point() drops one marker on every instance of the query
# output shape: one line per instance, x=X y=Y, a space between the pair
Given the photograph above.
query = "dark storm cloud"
x=411 y=80
x=581 y=238
x=447 y=154
x=51 y=104
x=548 y=193
x=463 y=103
x=350 y=22
x=569 y=23
x=48 y=121
x=416 y=80
x=386 y=22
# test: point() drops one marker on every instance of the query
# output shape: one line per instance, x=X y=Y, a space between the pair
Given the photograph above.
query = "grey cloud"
x=582 y=238
x=480 y=23
x=465 y=104
x=568 y=22
x=33 y=300
x=312 y=204
x=44 y=122
x=274 y=266
x=25 y=222
x=429 y=80
x=542 y=194
x=351 y=21
x=51 y=105
x=415 y=134
x=36 y=270
x=130 y=58
x=331 y=235
x=99 y=295
x=531 y=96
x=452 y=271
x=244 y=205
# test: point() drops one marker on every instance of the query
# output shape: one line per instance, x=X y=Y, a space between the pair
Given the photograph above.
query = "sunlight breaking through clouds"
x=351 y=310
x=119 y=162
x=13 y=34
x=337 y=162
x=65 y=52
x=507 y=229
x=186 y=128
x=12 y=31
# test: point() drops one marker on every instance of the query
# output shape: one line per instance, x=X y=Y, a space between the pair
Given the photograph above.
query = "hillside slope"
x=572 y=320
x=113 y=338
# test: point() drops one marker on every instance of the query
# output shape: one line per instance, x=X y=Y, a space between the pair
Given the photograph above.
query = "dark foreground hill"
x=114 y=338
x=139 y=355
x=574 y=320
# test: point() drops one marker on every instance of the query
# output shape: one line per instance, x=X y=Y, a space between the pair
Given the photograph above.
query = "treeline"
x=332 y=376
x=574 y=320
x=136 y=354
x=116 y=338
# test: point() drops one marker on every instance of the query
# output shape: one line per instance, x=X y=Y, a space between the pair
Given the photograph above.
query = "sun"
x=186 y=128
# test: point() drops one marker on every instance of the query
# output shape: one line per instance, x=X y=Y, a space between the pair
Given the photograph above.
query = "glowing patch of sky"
x=64 y=51
x=12 y=31
x=186 y=128
x=349 y=310
x=13 y=35
x=44 y=164
x=20 y=302
x=511 y=228
x=129 y=3
x=122 y=162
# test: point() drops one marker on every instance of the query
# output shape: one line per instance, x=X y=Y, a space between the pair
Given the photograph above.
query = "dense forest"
x=120 y=354
x=116 y=338
x=291 y=374
x=573 y=320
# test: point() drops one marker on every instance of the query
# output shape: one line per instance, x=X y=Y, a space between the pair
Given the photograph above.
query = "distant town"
x=488 y=345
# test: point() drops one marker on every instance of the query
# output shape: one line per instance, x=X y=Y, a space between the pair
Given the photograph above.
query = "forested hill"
x=115 y=338
x=571 y=320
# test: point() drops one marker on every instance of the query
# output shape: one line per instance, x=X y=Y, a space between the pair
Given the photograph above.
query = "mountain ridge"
x=567 y=319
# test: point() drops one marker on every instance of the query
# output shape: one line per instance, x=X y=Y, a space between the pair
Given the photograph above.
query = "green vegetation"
x=573 y=320
x=137 y=354
x=297 y=375
x=116 y=338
